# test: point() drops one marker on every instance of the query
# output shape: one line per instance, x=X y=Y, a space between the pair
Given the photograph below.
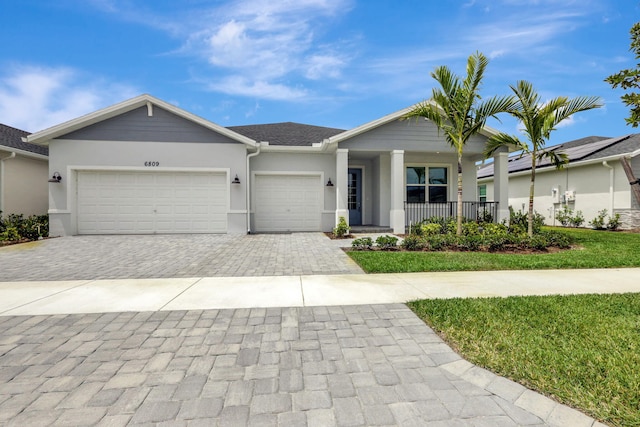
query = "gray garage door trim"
x=149 y=202
x=285 y=202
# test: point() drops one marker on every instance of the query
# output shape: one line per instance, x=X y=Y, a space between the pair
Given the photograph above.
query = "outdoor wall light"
x=329 y=183
x=56 y=177
x=236 y=180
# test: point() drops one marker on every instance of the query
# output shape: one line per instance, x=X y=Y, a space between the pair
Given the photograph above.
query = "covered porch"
x=390 y=190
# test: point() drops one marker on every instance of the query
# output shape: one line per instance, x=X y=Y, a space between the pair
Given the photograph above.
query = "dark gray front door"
x=354 y=201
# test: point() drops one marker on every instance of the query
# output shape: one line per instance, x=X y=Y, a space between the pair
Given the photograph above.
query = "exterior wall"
x=137 y=125
x=69 y=156
x=25 y=185
x=410 y=135
x=590 y=182
x=304 y=163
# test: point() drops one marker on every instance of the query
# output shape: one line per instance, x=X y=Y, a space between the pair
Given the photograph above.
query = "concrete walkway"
x=264 y=351
x=202 y=293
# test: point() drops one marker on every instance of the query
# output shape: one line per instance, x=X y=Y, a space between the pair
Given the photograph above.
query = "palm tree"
x=538 y=120
x=457 y=110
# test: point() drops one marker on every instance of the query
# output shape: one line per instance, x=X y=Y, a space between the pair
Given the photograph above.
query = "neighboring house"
x=602 y=173
x=23 y=174
x=145 y=166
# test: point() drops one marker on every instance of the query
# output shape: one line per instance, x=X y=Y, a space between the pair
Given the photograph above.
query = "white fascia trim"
x=291 y=149
x=146 y=169
x=42 y=137
x=59 y=211
x=290 y=173
x=24 y=153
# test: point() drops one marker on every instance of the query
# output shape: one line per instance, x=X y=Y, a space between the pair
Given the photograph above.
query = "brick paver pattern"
x=171 y=256
x=309 y=366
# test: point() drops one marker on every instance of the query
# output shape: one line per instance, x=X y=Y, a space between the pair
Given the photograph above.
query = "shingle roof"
x=12 y=138
x=588 y=148
x=287 y=133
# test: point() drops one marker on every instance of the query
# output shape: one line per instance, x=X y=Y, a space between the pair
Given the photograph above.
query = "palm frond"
x=559 y=160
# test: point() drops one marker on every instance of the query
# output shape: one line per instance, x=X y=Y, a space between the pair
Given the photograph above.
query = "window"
x=427 y=184
x=482 y=193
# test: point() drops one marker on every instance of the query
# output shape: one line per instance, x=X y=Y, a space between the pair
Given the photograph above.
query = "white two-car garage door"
x=132 y=202
x=287 y=202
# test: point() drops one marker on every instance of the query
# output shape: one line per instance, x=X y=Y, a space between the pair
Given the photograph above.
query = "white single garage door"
x=287 y=203
x=111 y=202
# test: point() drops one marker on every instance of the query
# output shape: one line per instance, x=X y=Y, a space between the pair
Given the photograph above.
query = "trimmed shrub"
x=519 y=221
x=472 y=242
x=614 y=222
x=430 y=229
x=413 y=243
x=362 y=243
x=387 y=242
x=598 y=223
x=342 y=229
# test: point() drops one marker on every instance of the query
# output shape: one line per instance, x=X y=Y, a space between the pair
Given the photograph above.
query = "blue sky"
x=335 y=63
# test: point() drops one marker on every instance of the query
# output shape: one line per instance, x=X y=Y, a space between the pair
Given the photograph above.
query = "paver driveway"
x=159 y=256
x=309 y=366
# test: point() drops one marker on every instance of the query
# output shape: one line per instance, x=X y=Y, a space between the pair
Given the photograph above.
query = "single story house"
x=146 y=166
x=23 y=174
x=602 y=173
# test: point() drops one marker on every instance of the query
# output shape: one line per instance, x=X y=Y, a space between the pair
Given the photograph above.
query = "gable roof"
x=486 y=130
x=11 y=138
x=583 y=149
x=287 y=133
x=44 y=136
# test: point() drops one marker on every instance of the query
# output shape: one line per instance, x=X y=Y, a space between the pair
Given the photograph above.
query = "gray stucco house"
x=602 y=173
x=146 y=166
x=23 y=174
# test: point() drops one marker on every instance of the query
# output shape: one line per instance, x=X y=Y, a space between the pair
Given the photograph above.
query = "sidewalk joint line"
x=2 y=313
x=180 y=293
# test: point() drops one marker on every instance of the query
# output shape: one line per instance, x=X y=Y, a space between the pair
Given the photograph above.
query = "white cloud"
x=33 y=98
x=265 y=48
x=238 y=85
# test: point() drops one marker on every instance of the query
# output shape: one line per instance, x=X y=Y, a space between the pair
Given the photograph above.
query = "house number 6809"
x=152 y=163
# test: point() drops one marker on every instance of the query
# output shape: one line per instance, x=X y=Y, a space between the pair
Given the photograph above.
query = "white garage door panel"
x=151 y=202
x=288 y=203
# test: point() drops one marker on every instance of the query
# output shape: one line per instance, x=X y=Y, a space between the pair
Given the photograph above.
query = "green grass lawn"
x=595 y=249
x=582 y=350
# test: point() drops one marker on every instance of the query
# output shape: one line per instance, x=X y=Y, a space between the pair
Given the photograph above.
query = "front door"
x=354 y=202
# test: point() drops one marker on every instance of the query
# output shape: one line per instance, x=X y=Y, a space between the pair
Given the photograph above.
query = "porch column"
x=342 y=185
x=501 y=185
x=469 y=181
x=396 y=214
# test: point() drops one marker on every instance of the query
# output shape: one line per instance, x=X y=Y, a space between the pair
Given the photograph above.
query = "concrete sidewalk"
x=200 y=293
x=336 y=350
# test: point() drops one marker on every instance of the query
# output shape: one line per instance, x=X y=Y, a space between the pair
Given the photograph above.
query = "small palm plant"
x=538 y=120
x=457 y=110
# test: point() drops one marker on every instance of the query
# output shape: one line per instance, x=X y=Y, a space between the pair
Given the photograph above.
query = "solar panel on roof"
x=581 y=151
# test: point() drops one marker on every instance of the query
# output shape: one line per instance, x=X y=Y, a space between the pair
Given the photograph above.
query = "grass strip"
x=582 y=350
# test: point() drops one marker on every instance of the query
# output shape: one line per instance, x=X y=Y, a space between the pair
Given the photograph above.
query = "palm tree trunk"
x=531 y=194
x=459 y=207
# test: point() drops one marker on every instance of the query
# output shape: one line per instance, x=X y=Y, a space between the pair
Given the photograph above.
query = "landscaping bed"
x=16 y=229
